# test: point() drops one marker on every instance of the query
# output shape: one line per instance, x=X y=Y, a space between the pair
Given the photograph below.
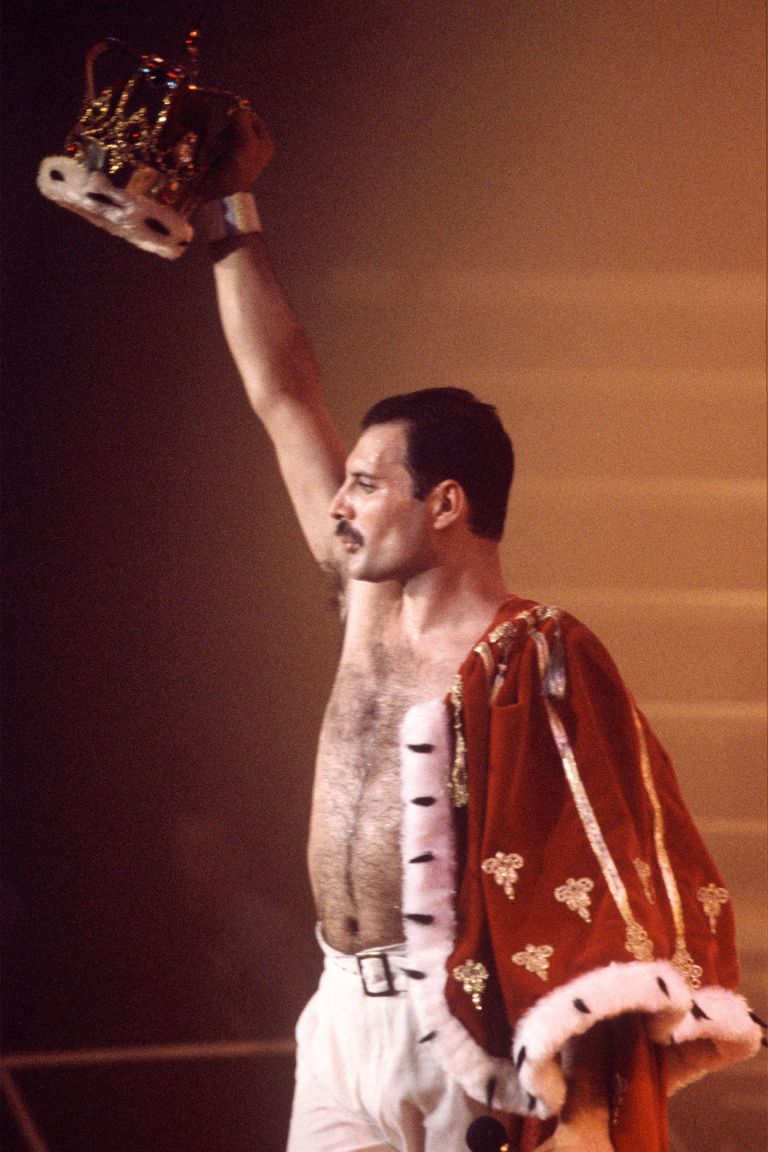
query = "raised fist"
x=246 y=149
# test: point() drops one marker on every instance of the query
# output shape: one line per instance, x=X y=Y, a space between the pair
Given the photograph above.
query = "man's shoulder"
x=523 y=622
x=562 y=646
x=544 y=615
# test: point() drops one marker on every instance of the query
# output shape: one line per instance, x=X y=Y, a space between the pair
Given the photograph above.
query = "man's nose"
x=340 y=507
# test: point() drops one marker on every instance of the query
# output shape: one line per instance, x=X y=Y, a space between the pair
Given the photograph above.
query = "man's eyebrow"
x=360 y=474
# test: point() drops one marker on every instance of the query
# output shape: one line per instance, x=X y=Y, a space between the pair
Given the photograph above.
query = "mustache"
x=344 y=528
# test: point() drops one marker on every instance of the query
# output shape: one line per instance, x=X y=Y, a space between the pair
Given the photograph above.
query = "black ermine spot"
x=156 y=226
x=102 y=198
x=490 y=1090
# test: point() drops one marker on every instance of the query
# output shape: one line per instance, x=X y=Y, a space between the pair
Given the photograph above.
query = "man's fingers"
x=247 y=125
x=246 y=148
x=263 y=135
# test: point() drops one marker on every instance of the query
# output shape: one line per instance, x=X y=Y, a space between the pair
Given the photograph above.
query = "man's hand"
x=247 y=148
x=585 y=1119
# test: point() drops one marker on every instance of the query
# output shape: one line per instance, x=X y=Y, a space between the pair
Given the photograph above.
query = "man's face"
x=381 y=524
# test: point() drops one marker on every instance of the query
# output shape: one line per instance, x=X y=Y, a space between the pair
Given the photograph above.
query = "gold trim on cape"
x=637 y=941
x=682 y=958
x=458 y=783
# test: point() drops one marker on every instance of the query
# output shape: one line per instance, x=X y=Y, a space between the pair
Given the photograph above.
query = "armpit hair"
x=338 y=597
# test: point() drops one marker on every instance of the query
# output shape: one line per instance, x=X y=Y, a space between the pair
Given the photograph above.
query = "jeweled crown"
x=144 y=140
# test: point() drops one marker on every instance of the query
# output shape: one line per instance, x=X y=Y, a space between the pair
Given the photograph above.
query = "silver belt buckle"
x=390 y=989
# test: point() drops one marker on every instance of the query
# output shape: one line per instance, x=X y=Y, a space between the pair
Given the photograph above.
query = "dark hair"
x=454 y=436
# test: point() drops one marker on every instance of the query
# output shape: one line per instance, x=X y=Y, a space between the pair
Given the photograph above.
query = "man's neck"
x=451 y=598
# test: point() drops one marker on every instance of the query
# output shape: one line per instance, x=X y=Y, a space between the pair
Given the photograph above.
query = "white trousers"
x=364 y=1083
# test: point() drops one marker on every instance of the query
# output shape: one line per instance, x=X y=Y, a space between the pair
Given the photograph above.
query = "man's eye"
x=365 y=485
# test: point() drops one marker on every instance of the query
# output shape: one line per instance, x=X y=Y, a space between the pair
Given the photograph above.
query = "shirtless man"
x=418 y=586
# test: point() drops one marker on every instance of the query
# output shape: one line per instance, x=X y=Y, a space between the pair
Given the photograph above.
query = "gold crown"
x=145 y=138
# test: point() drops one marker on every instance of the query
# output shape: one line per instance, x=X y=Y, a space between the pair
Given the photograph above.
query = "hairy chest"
x=370 y=696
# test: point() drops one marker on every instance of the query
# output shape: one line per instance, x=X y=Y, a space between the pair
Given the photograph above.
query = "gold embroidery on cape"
x=712 y=899
x=535 y=959
x=504 y=869
x=682 y=959
x=644 y=872
x=458 y=781
x=638 y=942
x=575 y=895
x=473 y=977
x=691 y=973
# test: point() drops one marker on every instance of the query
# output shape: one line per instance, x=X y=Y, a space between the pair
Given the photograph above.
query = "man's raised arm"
x=272 y=351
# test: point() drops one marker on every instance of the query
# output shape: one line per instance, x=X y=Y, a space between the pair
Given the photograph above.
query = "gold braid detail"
x=637 y=941
x=682 y=958
x=458 y=782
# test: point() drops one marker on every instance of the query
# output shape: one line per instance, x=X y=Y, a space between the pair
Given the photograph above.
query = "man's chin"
x=358 y=569
x=361 y=576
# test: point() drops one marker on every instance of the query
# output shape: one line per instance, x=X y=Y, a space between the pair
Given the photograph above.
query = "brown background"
x=560 y=205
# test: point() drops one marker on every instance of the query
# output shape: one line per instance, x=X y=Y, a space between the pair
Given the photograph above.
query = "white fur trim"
x=703 y=1030
x=725 y=1033
x=70 y=184
x=655 y=988
x=429 y=889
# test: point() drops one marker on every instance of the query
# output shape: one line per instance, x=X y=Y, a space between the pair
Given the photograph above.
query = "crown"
x=144 y=140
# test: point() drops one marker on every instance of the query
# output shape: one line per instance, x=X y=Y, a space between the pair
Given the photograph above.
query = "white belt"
x=381 y=971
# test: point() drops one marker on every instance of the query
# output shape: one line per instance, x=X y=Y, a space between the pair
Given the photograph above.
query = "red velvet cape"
x=580 y=889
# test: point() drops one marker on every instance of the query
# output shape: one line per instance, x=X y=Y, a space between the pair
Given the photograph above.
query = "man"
x=538 y=962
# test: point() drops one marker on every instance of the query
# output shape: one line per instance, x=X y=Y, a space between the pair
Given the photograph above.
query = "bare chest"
x=360 y=735
x=354 y=849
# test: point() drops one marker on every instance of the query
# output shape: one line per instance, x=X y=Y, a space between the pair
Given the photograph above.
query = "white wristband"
x=235 y=215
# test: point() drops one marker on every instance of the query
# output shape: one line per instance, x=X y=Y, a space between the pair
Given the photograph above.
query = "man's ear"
x=448 y=504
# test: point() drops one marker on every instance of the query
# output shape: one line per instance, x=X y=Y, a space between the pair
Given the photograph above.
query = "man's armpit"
x=338 y=588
